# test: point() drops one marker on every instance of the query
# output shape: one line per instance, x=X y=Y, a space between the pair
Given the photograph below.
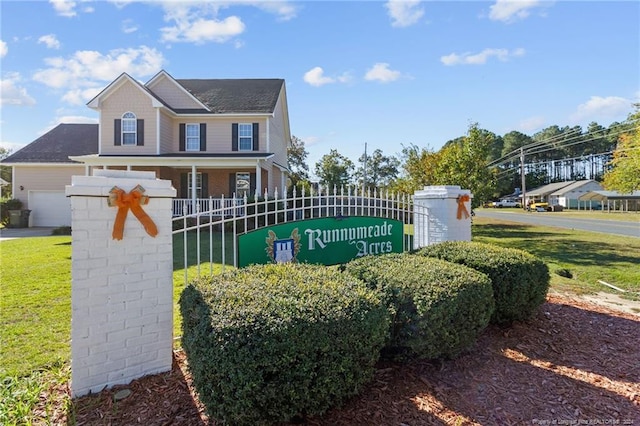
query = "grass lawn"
x=35 y=302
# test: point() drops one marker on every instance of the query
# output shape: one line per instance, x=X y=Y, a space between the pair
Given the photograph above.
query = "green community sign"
x=327 y=241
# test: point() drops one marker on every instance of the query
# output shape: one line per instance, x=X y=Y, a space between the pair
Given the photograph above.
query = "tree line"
x=488 y=164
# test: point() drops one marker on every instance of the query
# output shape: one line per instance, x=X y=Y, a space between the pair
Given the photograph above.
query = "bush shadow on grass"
x=557 y=245
x=564 y=363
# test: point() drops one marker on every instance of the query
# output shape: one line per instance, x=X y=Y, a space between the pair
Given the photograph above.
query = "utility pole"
x=523 y=180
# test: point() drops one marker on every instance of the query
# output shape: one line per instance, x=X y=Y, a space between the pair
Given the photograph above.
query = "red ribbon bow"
x=130 y=201
x=462 y=209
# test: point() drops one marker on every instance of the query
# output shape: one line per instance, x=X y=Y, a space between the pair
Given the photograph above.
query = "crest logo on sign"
x=283 y=250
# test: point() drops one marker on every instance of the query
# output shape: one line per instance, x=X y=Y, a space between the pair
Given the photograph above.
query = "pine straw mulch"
x=573 y=362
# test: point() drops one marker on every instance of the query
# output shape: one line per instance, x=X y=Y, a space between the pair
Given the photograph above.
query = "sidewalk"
x=11 y=233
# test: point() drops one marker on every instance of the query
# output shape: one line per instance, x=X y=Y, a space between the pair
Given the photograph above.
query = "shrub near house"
x=520 y=280
x=267 y=343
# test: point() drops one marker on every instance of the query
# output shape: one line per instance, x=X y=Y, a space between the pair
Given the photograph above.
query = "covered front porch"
x=213 y=184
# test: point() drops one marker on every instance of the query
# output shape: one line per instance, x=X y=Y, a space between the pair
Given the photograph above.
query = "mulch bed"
x=572 y=363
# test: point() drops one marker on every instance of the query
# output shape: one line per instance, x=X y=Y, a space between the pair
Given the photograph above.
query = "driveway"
x=12 y=233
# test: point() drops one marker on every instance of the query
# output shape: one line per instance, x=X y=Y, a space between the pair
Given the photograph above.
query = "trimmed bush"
x=520 y=280
x=438 y=308
x=269 y=343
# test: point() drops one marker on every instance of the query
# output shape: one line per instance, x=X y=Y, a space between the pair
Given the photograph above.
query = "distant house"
x=211 y=138
x=568 y=196
x=565 y=194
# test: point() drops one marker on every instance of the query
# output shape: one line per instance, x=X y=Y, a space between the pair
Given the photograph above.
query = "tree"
x=464 y=163
x=624 y=175
x=334 y=170
x=418 y=165
x=378 y=170
x=5 y=172
x=297 y=154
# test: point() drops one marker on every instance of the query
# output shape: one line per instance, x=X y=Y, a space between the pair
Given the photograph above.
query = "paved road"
x=629 y=229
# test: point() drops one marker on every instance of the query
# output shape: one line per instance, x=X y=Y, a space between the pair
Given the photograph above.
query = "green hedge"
x=438 y=308
x=268 y=343
x=520 y=280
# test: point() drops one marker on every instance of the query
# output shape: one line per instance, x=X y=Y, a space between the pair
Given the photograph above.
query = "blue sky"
x=387 y=74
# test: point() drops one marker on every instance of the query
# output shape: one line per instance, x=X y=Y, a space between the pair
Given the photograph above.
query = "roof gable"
x=115 y=84
x=58 y=144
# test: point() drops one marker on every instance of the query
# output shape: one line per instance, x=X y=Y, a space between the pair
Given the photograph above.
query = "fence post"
x=436 y=216
x=121 y=290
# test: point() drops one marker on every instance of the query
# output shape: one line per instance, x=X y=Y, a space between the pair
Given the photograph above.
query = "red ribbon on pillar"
x=133 y=200
x=462 y=209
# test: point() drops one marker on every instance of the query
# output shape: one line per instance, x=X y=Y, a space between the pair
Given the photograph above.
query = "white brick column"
x=122 y=290
x=435 y=215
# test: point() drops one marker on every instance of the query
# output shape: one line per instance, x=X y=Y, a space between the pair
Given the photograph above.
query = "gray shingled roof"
x=235 y=95
x=58 y=144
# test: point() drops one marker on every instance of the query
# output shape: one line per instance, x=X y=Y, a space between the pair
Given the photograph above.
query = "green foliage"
x=297 y=155
x=7 y=204
x=267 y=343
x=334 y=170
x=380 y=170
x=624 y=175
x=438 y=308
x=520 y=280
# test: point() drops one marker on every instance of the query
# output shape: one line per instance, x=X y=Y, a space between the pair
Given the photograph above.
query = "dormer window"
x=129 y=129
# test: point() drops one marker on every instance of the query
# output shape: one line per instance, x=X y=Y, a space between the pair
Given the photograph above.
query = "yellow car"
x=538 y=207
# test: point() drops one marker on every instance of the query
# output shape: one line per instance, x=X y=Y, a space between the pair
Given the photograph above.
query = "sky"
x=385 y=74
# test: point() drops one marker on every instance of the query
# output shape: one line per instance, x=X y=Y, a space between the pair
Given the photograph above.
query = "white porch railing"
x=208 y=206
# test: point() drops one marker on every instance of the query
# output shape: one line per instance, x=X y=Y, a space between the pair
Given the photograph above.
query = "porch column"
x=193 y=186
x=258 y=179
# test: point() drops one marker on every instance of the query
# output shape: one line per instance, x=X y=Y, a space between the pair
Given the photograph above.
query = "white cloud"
x=81 y=96
x=12 y=93
x=128 y=26
x=87 y=70
x=50 y=40
x=599 y=107
x=404 y=13
x=76 y=119
x=199 y=23
x=531 y=124
x=64 y=7
x=316 y=77
x=480 y=58
x=4 y=49
x=513 y=10
x=381 y=72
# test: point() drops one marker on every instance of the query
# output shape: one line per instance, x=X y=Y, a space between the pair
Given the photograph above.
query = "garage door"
x=49 y=208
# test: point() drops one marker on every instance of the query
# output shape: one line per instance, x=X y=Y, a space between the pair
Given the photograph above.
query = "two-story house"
x=211 y=137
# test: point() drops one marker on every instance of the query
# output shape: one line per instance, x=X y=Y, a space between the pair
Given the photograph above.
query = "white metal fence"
x=208 y=233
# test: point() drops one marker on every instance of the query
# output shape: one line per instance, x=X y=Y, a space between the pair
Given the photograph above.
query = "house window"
x=198 y=185
x=245 y=137
x=193 y=137
x=243 y=181
x=129 y=127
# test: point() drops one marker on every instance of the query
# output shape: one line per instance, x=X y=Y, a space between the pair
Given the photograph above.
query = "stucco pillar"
x=436 y=215
x=121 y=290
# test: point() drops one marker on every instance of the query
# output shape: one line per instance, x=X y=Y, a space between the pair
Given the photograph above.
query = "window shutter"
x=203 y=137
x=117 y=131
x=234 y=137
x=184 y=186
x=205 y=185
x=232 y=184
x=140 y=132
x=181 y=137
x=256 y=129
x=252 y=184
